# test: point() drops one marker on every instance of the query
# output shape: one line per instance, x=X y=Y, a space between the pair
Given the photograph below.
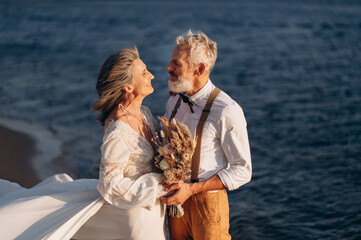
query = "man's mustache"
x=173 y=74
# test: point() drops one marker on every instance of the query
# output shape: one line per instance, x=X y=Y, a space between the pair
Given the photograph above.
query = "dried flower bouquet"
x=175 y=149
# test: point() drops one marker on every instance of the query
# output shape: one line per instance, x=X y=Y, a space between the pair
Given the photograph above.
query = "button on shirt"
x=225 y=148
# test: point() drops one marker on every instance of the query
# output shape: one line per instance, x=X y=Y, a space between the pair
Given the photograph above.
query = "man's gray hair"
x=202 y=49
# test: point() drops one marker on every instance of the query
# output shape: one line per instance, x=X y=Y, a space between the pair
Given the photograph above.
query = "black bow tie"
x=186 y=99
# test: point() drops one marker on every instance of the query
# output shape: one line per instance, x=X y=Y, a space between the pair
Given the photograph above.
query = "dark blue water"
x=294 y=67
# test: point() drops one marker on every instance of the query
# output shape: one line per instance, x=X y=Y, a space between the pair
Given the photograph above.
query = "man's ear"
x=200 y=69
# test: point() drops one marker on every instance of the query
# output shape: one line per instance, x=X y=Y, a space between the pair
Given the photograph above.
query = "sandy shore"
x=17 y=150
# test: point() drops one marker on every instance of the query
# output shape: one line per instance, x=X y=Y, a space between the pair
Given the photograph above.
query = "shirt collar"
x=204 y=91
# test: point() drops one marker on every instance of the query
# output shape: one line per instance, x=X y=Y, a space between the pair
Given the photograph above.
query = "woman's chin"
x=151 y=90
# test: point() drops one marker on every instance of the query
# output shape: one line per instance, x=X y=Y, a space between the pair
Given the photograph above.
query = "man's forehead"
x=181 y=50
x=184 y=47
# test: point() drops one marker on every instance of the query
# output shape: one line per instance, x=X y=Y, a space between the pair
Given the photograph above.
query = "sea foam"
x=48 y=147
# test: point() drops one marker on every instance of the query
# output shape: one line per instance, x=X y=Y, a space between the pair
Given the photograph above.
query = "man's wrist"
x=211 y=184
x=195 y=188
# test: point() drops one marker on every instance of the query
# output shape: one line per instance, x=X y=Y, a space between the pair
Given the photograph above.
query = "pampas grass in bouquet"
x=175 y=150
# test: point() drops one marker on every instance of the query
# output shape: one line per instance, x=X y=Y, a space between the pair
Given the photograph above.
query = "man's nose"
x=169 y=67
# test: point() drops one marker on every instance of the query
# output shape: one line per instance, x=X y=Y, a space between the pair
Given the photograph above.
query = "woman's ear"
x=128 y=89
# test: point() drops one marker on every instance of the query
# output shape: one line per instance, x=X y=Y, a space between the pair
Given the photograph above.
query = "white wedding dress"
x=123 y=204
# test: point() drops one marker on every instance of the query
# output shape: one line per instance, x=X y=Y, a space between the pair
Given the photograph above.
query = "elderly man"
x=223 y=159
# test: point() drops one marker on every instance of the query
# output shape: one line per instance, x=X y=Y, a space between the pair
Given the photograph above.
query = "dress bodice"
x=141 y=152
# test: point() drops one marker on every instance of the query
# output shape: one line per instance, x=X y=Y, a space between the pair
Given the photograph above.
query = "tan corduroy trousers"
x=206 y=217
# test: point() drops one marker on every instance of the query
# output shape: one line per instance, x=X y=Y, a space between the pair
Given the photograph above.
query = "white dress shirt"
x=225 y=148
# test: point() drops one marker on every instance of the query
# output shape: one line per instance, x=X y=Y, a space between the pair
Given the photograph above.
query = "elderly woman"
x=128 y=206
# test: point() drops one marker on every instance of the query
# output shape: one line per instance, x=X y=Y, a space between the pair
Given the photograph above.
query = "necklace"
x=127 y=112
x=139 y=118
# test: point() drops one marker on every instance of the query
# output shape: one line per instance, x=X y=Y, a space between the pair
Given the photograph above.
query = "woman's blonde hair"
x=113 y=76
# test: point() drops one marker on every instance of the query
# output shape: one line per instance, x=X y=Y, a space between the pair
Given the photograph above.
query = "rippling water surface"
x=294 y=67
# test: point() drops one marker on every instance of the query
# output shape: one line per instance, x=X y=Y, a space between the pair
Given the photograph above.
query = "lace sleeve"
x=114 y=158
x=118 y=190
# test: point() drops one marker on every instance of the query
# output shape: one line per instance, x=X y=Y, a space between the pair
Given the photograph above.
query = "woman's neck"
x=132 y=105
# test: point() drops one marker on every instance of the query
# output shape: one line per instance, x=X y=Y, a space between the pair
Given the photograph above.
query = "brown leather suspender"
x=197 y=152
x=174 y=112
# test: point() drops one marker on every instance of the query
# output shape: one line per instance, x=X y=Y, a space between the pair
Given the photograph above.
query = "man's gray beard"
x=182 y=85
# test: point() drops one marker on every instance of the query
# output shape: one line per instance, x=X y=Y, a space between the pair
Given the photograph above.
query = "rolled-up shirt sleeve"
x=121 y=191
x=235 y=145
